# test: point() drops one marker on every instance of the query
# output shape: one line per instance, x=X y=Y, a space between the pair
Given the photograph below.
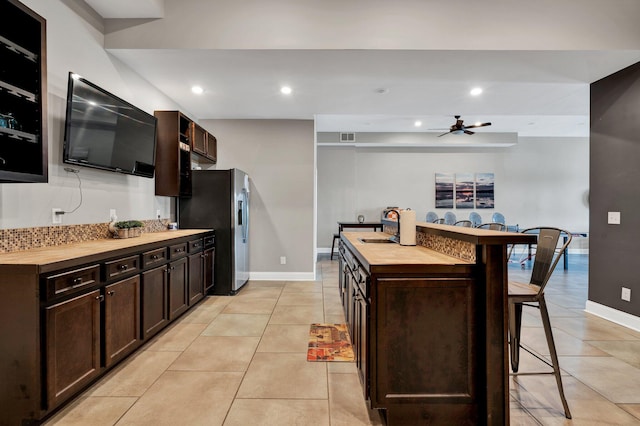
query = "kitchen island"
x=429 y=322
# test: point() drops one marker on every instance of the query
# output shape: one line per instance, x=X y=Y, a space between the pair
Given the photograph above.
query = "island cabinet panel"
x=425 y=353
x=122 y=319
x=72 y=346
x=155 y=301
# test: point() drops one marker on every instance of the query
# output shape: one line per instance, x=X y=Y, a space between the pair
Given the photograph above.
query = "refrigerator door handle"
x=240 y=212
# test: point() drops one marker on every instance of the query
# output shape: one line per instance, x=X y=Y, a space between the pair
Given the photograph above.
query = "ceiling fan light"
x=476 y=91
x=417 y=123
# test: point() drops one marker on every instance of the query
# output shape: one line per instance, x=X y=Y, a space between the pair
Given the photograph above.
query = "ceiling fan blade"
x=469 y=132
x=477 y=125
x=446 y=133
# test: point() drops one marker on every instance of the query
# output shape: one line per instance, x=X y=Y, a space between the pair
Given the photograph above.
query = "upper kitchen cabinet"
x=179 y=137
x=204 y=144
x=23 y=108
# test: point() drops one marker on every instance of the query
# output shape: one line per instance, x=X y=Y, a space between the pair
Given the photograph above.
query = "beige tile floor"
x=241 y=361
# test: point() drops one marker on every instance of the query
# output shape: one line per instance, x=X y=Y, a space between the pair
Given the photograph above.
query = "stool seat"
x=333 y=244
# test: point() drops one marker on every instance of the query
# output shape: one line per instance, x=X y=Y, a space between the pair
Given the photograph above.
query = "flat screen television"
x=106 y=132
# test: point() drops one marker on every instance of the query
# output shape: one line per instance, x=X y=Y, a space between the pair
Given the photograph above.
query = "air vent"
x=347 y=137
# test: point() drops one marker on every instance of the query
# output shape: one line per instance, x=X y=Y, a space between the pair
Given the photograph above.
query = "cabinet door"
x=72 y=346
x=359 y=340
x=178 y=301
x=155 y=314
x=196 y=282
x=199 y=140
x=122 y=319
x=209 y=266
x=212 y=148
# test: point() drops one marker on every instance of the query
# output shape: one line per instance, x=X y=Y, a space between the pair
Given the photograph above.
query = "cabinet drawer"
x=72 y=281
x=209 y=241
x=121 y=267
x=177 y=250
x=195 y=245
x=154 y=257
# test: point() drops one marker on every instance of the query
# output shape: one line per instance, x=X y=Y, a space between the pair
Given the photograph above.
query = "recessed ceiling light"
x=382 y=90
x=197 y=90
x=286 y=90
x=476 y=91
x=418 y=123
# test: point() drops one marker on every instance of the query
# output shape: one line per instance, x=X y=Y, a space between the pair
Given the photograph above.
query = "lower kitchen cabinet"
x=69 y=316
x=121 y=319
x=178 y=303
x=196 y=281
x=155 y=301
x=72 y=346
x=209 y=266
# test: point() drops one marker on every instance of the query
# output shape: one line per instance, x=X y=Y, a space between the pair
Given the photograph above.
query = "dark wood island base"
x=429 y=323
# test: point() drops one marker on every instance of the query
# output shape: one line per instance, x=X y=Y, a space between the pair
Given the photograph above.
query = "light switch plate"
x=626 y=294
x=613 y=218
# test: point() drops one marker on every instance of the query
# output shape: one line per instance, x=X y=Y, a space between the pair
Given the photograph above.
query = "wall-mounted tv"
x=106 y=132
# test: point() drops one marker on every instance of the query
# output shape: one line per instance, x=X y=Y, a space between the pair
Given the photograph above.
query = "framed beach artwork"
x=444 y=190
x=464 y=190
x=485 y=183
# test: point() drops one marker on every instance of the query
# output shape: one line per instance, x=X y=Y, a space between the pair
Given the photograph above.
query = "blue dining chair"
x=498 y=218
x=432 y=217
x=449 y=218
x=475 y=219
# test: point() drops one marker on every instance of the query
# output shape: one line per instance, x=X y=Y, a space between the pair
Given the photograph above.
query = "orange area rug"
x=329 y=342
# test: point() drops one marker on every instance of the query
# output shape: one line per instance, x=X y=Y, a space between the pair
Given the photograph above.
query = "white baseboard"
x=282 y=276
x=326 y=250
x=613 y=315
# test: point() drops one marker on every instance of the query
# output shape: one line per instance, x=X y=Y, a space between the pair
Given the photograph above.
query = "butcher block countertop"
x=43 y=259
x=390 y=257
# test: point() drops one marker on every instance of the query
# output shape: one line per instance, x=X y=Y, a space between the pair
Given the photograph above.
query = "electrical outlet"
x=626 y=294
x=112 y=214
x=283 y=260
x=613 y=218
x=158 y=213
x=56 y=217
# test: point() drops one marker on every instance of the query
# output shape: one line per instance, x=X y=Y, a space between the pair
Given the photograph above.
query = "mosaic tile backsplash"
x=47 y=236
x=449 y=246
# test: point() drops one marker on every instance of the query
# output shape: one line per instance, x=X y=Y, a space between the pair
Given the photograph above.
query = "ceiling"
x=533 y=93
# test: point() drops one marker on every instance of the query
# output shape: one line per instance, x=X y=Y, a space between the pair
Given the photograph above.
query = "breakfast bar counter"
x=429 y=322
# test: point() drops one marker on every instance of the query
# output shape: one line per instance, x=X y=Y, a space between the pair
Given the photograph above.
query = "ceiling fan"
x=458 y=128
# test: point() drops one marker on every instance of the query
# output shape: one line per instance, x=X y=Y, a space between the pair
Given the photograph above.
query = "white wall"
x=539 y=181
x=279 y=156
x=73 y=44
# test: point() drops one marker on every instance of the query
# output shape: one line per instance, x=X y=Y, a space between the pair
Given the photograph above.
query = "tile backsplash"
x=26 y=238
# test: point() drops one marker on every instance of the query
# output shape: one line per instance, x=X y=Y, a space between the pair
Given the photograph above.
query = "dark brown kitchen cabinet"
x=72 y=346
x=67 y=322
x=209 y=267
x=121 y=319
x=177 y=282
x=155 y=301
x=173 y=154
x=199 y=141
x=23 y=90
x=178 y=137
x=196 y=271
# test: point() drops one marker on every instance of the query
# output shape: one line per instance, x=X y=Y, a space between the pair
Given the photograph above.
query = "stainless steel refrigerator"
x=220 y=201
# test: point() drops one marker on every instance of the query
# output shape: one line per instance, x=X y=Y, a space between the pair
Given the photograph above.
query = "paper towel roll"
x=407 y=228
